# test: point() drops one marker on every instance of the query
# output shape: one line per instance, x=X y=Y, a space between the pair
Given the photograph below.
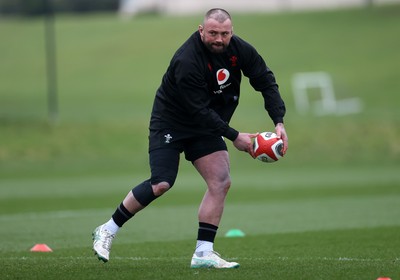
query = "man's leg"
x=214 y=168
x=164 y=168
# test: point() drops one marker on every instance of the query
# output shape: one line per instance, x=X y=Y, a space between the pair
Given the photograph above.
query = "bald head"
x=217 y=14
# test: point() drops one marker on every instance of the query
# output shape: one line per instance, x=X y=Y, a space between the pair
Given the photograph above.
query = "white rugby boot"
x=102 y=240
x=211 y=260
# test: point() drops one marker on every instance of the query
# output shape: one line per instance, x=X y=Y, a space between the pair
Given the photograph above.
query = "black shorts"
x=166 y=146
x=194 y=146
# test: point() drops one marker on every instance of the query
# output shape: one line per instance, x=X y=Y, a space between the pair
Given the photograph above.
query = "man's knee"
x=145 y=192
x=160 y=188
x=226 y=184
x=219 y=186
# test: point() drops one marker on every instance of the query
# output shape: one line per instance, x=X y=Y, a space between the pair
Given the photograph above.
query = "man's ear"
x=201 y=30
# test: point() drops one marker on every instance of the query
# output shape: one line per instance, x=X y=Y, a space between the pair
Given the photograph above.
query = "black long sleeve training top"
x=200 y=90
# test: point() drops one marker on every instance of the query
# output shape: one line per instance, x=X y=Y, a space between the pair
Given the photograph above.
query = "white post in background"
x=327 y=104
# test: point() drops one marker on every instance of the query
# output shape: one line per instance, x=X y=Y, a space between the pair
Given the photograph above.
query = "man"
x=192 y=108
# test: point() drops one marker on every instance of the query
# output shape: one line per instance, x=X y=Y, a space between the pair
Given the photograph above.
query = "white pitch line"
x=339 y=259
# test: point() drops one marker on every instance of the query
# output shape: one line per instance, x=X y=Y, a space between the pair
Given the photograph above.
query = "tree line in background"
x=40 y=7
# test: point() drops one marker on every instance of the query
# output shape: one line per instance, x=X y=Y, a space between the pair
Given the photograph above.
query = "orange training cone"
x=41 y=248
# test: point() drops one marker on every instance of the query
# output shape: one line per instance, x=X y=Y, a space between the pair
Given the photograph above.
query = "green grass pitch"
x=298 y=230
x=329 y=210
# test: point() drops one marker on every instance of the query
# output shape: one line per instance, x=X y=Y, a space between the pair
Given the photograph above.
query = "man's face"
x=215 y=35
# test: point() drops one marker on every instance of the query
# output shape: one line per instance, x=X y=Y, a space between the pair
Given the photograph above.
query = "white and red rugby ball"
x=268 y=147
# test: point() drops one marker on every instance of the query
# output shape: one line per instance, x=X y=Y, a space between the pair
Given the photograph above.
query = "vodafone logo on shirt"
x=222 y=76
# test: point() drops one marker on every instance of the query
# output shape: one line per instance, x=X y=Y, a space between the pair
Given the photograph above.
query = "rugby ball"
x=268 y=147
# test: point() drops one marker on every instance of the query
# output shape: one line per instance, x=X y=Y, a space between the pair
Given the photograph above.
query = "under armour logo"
x=168 y=138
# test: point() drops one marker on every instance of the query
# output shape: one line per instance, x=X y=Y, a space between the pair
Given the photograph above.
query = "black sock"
x=207 y=232
x=121 y=215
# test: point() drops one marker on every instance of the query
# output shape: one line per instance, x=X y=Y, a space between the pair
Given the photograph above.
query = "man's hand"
x=281 y=133
x=244 y=143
